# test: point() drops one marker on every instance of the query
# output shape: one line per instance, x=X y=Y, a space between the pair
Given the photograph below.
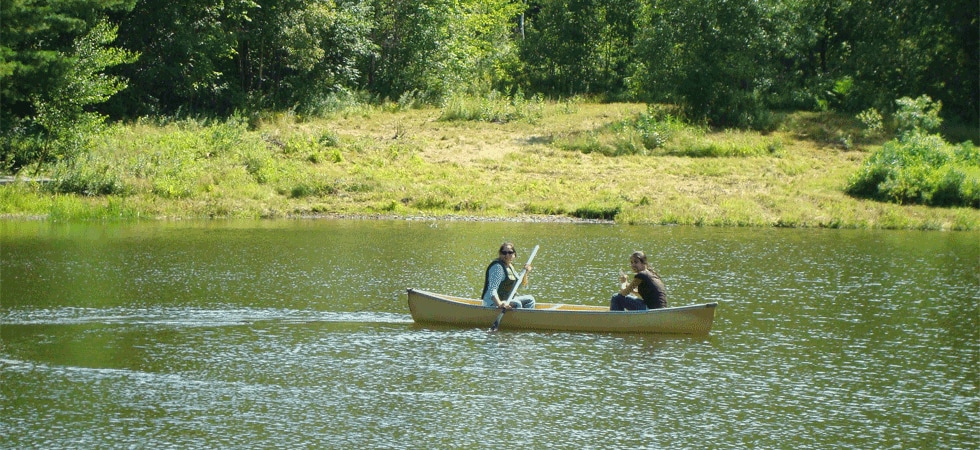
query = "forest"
x=69 y=67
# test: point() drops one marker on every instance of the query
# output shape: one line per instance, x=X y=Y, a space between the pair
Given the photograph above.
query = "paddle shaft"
x=520 y=278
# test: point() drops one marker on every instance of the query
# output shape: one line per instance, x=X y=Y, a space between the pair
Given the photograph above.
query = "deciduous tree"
x=54 y=56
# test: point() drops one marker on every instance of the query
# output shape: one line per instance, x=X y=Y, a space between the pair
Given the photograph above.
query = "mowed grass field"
x=546 y=161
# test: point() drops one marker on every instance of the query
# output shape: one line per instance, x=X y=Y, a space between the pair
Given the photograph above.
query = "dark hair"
x=505 y=246
x=642 y=257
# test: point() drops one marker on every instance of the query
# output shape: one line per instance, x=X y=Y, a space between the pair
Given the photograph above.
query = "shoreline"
x=524 y=218
x=353 y=216
x=562 y=168
x=458 y=218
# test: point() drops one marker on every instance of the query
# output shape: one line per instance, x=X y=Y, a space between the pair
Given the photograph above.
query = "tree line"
x=65 y=65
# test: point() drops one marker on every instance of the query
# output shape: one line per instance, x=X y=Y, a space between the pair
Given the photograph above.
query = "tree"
x=188 y=49
x=849 y=55
x=431 y=48
x=713 y=58
x=53 y=61
x=479 y=48
x=293 y=53
x=215 y=58
x=907 y=48
x=579 y=46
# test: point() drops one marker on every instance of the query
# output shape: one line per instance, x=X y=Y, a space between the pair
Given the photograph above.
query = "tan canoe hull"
x=431 y=308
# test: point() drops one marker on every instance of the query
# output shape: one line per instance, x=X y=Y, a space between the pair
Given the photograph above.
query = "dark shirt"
x=652 y=290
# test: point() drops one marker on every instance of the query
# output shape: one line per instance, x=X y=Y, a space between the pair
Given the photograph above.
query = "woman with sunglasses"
x=646 y=283
x=500 y=280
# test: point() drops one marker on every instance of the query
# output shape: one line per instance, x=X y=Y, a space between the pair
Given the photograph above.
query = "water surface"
x=296 y=334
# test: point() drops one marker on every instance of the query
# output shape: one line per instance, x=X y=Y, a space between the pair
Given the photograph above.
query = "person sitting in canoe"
x=500 y=280
x=646 y=283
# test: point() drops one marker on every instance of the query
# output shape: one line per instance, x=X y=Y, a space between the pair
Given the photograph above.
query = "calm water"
x=296 y=334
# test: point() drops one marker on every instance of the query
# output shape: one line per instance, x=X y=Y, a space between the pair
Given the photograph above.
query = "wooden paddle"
x=520 y=279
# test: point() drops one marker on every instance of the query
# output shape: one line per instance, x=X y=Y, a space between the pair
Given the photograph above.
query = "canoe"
x=432 y=308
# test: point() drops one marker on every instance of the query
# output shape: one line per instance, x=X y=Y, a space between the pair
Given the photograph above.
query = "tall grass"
x=632 y=165
x=660 y=132
x=494 y=107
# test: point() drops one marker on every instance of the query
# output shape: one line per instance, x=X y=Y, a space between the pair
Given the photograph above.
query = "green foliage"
x=730 y=62
x=187 y=64
x=494 y=107
x=322 y=43
x=311 y=189
x=215 y=58
x=646 y=133
x=597 y=211
x=874 y=123
x=659 y=132
x=206 y=168
x=436 y=48
x=712 y=58
x=734 y=145
x=921 y=168
x=66 y=125
x=918 y=167
x=578 y=47
x=918 y=115
x=722 y=62
x=47 y=87
x=88 y=176
x=657 y=129
x=339 y=102
x=69 y=208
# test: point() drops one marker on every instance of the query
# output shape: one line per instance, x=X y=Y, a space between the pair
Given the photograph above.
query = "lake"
x=296 y=334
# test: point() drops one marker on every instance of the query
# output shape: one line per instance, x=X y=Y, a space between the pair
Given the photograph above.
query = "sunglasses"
x=508 y=252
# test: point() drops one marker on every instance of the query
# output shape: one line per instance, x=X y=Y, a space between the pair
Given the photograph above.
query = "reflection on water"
x=285 y=334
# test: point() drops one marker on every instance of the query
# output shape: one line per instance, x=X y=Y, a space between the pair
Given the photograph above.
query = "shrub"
x=656 y=129
x=918 y=115
x=596 y=211
x=311 y=189
x=88 y=175
x=873 y=122
x=918 y=167
x=921 y=168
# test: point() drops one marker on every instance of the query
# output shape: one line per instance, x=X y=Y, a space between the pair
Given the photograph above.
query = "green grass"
x=657 y=132
x=494 y=157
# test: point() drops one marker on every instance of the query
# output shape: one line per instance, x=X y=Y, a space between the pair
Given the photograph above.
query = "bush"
x=89 y=175
x=597 y=212
x=657 y=128
x=917 y=115
x=921 y=168
x=918 y=167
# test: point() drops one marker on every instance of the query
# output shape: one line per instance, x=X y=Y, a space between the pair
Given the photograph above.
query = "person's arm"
x=629 y=288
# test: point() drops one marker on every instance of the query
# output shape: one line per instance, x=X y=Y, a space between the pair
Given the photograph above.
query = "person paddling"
x=500 y=279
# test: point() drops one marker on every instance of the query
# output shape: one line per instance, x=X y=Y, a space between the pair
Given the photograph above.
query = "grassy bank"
x=568 y=159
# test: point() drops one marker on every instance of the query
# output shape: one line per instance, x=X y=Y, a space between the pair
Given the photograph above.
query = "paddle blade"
x=496 y=323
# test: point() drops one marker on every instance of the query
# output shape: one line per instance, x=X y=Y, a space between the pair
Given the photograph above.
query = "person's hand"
x=528 y=267
x=622 y=277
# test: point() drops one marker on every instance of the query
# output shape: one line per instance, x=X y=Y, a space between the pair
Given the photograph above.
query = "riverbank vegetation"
x=574 y=159
x=733 y=112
